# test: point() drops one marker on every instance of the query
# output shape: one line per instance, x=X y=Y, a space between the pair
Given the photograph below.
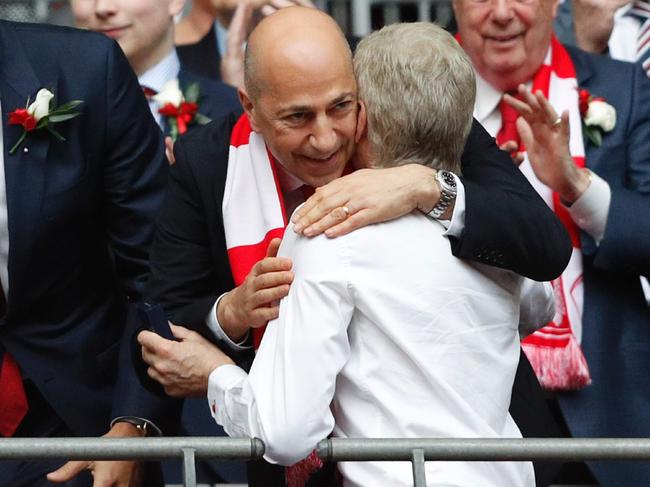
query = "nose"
x=323 y=137
x=105 y=8
x=502 y=11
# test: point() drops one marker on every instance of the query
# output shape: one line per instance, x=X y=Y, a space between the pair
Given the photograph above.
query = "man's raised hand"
x=255 y=301
x=546 y=137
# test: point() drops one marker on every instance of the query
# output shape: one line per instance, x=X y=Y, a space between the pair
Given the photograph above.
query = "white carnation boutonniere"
x=180 y=107
x=598 y=116
x=41 y=115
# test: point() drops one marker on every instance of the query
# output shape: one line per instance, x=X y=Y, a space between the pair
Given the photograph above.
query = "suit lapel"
x=25 y=169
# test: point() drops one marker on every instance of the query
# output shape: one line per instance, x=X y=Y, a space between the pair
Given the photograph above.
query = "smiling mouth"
x=113 y=32
x=325 y=160
x=503 y=38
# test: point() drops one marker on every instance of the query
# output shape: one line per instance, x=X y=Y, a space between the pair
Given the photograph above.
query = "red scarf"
x=554 y=350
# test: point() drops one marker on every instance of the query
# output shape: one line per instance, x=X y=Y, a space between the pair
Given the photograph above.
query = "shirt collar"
x=221 y=34
x=487 y=99
x=622 y=11
x=166 y=70
x=288 y=182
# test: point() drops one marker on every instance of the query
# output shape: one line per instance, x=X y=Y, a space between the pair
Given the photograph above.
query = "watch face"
x=448 y=178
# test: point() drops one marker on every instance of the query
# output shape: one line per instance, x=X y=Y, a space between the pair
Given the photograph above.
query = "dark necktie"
x=13 y=402
x=508 y=124
x=641 y=11
x=307 y=191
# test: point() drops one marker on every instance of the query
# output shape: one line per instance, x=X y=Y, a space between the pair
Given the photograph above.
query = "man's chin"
x=322 y=179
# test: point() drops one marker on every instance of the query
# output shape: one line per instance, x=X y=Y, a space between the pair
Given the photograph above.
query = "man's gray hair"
x=418 y=86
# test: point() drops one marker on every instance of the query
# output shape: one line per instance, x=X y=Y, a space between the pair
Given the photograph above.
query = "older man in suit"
x=597 y=178
x=77 y=211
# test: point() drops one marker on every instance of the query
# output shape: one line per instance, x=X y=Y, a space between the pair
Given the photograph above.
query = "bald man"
x=210 y=266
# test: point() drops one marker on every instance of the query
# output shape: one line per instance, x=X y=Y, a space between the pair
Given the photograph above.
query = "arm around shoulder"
x=507 y=223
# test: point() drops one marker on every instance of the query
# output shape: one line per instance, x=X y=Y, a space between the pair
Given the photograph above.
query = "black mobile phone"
x=153 y=318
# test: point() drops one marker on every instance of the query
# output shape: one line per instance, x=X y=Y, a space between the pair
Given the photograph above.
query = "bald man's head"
x=291 y=36
x=301 y=94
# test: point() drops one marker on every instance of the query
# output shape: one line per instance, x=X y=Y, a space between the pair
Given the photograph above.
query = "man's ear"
x=362 y=123
x=249 y=108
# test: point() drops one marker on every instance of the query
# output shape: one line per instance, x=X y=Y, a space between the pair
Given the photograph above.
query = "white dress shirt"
x=400 y=338
x=155 y=78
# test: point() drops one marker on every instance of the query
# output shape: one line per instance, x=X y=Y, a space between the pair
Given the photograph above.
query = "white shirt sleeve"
x=456 y=225
x=591 y=210
x=285 y=399
x=215 y=327
x=537 y=308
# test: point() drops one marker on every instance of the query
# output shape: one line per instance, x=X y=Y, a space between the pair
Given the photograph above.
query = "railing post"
x=419 y=474
x=189 y=467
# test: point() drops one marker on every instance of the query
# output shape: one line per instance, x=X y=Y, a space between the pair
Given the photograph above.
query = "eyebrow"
x=307 y=108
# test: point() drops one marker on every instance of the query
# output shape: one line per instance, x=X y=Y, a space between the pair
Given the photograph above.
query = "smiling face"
x=143 y=28
x=306 y=108
x=507 y=40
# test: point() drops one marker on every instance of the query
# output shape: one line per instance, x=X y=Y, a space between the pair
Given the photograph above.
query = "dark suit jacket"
x=217 y=100
x=80 y=218
x=616 y=318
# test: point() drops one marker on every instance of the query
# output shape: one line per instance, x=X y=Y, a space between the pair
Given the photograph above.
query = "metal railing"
x=416 y=451
x=188 y=448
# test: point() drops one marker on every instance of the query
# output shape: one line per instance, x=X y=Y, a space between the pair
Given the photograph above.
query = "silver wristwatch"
x=448 y=192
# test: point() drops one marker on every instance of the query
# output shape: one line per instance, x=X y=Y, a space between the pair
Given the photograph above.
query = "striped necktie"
x=641 y=11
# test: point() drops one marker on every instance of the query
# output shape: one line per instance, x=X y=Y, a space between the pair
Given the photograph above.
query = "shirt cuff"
x=590 y=211
x=214 y=326
x=456 y=225
x=220 y=381
x=147 y=426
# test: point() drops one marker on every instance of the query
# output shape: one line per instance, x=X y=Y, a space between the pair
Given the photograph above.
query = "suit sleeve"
x=507 y=224
x=133 y=186
x=625 y=246
x=134 y=174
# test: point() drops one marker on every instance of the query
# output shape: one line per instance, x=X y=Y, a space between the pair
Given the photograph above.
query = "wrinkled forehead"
x=301 y=72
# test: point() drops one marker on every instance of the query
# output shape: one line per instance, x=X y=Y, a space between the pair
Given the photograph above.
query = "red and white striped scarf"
x=554 y=350
x=253 y=207
x=253 y=215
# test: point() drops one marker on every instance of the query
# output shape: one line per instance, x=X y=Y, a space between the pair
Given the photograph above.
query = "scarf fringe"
x=559 y=368
x=297 y=475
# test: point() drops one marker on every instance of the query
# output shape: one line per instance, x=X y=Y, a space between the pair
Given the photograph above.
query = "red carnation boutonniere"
x=598 y=116
x=181 y=107
x=41 y=115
